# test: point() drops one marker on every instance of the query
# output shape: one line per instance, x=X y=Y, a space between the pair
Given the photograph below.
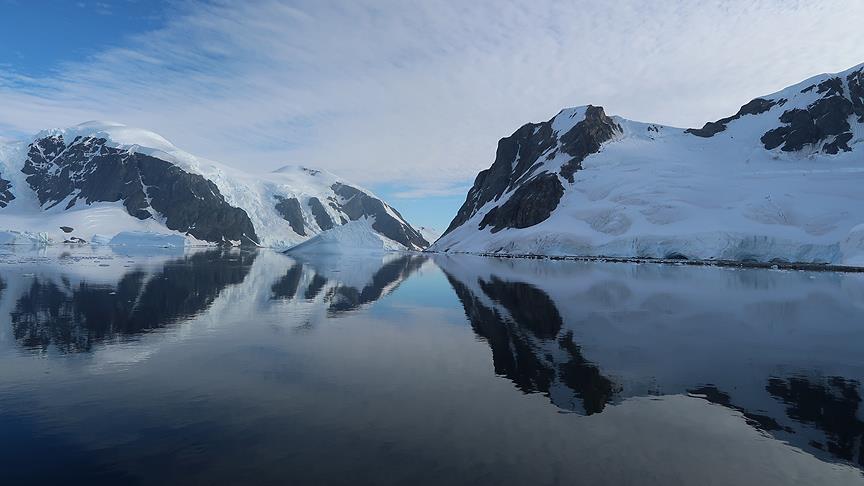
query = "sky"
x=407 y=98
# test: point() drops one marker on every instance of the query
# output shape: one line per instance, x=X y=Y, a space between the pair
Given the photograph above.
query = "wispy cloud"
x=386 y=90
x=424 y=189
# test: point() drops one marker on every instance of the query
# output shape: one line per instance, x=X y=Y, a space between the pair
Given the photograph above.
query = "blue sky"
x=39 y=35
x=431 y=210
x=407 y=98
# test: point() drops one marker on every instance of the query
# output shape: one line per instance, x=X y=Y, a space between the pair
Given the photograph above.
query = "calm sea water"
x=218 y=367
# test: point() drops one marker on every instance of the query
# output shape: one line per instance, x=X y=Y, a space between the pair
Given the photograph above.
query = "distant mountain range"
x=779 y=180
x=100 y=181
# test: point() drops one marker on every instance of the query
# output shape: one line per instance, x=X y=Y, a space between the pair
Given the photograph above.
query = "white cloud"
x=379 y=90
x=424 y=189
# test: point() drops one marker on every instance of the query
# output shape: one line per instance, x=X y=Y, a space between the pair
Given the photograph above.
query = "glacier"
x=655 y=191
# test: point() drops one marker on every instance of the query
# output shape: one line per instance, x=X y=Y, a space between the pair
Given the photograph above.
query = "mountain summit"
x=778 y=180
x=99 y=180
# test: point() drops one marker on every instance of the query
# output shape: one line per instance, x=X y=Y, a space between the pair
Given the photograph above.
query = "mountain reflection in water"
x=662 y=330
x=311 y=278
x=405 y=366
x=524 y=332
x=73 y=316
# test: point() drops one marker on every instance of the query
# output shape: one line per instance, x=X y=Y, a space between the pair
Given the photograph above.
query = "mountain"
x=100 y=180
x=429 y=233
x=778 y=180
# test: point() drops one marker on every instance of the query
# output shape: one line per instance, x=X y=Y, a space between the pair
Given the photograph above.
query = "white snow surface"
x=138 y=238
x=352 y=237
x=656 y=191
x=253 y=192
x=429 y=234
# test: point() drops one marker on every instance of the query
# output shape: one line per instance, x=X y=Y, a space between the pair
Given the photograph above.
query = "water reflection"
x=589 y=335
x=683 y=370
x=523 y=327
x=719 y=397
x=830 y=404
x=73 y=316
x=344 y=284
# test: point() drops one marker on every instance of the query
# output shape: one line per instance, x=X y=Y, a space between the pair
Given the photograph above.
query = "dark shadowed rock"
x=67 y=229
x=530 y=204
x=825 y=121
x=516 y=161
x=585 y=139
x=754 y=107
x=357 y=204
x=841 y=142
x=87 y=170
x=289 y=209
x=856 y=92
x=325 y=222
x=6 y=195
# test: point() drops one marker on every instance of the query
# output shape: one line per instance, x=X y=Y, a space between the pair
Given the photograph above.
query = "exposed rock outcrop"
x=357 y=204
x=518 y=169
x=89 y=170
x=825 y=121
x=754 y=107
x=97 y=171
x=587 y=184
x=289 y=208
x=6 y=195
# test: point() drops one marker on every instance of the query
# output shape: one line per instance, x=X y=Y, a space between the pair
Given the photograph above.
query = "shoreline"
x=810 y=267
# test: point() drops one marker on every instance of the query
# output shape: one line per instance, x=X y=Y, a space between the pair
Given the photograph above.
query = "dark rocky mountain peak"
x=158 y=184
x=817 y=114
x=521 y=166
x=88 y=170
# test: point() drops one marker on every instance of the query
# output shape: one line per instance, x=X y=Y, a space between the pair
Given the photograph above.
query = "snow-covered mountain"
x=429 y=233
x=98 y=180
x=779 y=180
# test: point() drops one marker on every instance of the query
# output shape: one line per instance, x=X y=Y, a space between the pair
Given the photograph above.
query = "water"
x=229 y=367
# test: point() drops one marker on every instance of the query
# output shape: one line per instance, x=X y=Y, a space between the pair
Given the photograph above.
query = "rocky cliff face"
x=776 y=180
x=823 y=123
x=519 y=169
x=357 y=204
x=6 y=195
x=88 y=170
x=89 y=178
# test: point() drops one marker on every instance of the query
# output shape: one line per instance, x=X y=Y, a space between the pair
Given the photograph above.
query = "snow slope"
x=658 y=191
x=259 y=195
x=429 y=233
x=352 y=237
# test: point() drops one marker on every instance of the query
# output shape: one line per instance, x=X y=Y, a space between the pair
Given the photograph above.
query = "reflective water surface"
x=230 y=367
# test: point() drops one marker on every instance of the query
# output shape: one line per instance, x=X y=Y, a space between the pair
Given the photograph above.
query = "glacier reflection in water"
x=220 y=366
